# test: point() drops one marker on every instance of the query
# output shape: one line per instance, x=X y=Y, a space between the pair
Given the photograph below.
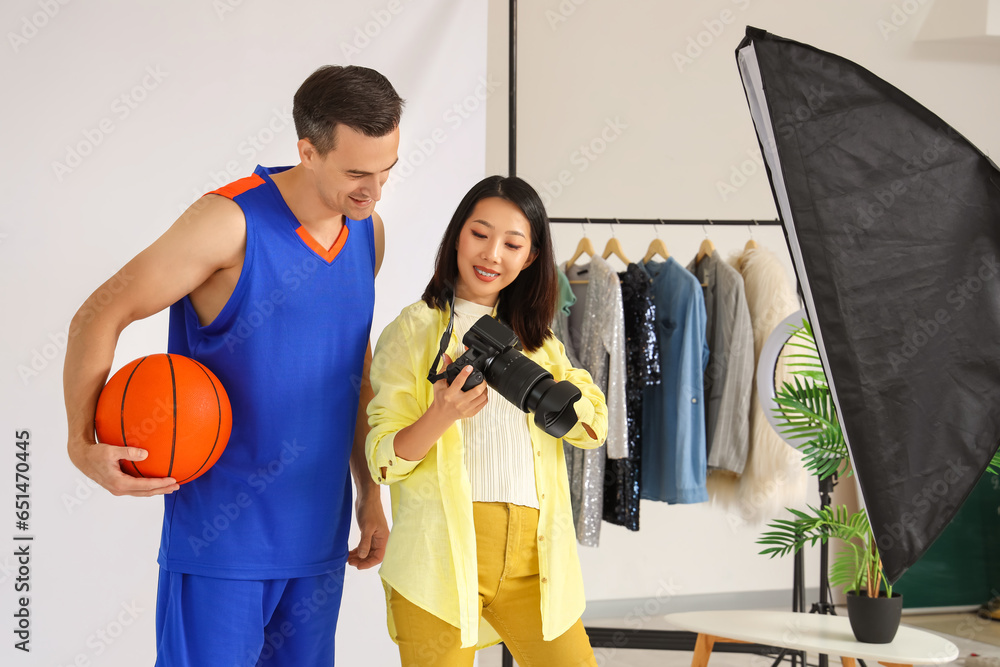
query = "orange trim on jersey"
x=236 y=188
x=327 y=255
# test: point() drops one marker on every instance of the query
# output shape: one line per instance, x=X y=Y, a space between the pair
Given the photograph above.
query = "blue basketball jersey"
x=289 y=348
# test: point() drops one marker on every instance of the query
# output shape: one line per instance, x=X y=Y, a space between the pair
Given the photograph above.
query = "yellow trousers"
x=509 y=600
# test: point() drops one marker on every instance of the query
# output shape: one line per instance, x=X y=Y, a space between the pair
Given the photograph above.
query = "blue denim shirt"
x=674 y=462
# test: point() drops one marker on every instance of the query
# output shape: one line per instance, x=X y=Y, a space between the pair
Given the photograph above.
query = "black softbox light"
x=893 y=223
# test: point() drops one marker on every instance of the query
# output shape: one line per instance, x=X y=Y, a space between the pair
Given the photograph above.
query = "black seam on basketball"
x=173 y=437
x=124 y=393
x=218 y=423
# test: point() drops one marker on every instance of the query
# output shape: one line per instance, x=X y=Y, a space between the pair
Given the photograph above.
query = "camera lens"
x=513 y=375
x=531 y=388
x=554 y=412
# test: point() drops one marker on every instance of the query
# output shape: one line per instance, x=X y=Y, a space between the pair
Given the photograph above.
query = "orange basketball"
x=171 y=406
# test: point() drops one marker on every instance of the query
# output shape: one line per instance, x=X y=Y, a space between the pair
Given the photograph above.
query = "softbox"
x=893 y=223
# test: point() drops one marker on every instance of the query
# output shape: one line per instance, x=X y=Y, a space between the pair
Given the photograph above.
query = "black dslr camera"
x=494 y=354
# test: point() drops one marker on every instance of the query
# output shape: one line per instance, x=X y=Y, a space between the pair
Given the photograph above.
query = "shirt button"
x=538 y=453
x=694 y=400
x=390 y=461
x=541 y=538
x=544 y=580
x=543 y=496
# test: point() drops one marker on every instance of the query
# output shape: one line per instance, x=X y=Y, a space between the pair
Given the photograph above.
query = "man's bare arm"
x=359 y=463
x=368 y=507
x=209 y=237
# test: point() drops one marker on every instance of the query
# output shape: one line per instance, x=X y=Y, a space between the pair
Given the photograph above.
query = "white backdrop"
x=118 y=115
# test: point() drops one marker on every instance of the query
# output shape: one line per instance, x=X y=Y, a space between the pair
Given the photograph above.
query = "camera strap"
x=445 y=339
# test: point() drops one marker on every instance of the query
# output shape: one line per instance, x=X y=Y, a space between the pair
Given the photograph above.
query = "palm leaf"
x=858 y=554
x=846 y=567
x=826 y=455
x=810 y=415
x=994 y=465
x=807 y=363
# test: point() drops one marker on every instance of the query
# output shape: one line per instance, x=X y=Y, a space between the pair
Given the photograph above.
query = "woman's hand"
x=451 y=403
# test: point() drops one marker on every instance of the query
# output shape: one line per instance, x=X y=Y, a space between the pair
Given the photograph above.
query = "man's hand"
x=100 y=463
x=374 y=532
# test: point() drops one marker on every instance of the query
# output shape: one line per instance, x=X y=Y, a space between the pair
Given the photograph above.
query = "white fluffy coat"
x=774 y=477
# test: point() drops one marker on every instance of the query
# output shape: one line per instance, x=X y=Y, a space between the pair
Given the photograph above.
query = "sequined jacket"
x=600 y=348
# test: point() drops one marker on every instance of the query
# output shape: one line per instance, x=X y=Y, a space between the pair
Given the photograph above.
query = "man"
x=270 y=284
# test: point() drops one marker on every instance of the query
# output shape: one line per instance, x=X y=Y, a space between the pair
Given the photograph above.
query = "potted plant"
x=857 y=567
x=807 y=416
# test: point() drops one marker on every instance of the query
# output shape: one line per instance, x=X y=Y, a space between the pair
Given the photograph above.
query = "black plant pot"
x=874 y=620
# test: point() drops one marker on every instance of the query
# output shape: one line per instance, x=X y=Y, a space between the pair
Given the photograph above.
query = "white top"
x=498 y=455
x=830 y=635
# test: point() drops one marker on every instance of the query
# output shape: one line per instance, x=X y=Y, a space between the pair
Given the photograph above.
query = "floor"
x=971 y=634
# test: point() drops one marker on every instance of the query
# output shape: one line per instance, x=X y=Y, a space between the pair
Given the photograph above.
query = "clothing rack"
x=660 y=221
x=627 y=638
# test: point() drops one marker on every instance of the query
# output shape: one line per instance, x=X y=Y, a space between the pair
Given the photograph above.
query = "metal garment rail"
x=661 y=221
x=617 y=638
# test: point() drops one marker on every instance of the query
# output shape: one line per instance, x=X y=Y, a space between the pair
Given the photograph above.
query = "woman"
x=482 y=527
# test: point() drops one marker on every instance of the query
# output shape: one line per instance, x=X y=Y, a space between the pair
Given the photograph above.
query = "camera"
x=494 y=354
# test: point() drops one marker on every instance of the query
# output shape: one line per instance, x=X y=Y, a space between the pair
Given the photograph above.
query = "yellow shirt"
x=431 y=555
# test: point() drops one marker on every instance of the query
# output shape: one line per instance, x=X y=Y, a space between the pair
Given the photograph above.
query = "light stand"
x=824 y=605
x=766 y=366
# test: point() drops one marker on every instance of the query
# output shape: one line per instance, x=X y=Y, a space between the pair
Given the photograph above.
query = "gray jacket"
x=729 y=376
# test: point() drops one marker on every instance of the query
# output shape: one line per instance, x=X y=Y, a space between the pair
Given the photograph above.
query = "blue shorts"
x=210 y=622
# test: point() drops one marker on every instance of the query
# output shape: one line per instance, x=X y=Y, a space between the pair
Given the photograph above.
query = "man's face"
x=350 y=177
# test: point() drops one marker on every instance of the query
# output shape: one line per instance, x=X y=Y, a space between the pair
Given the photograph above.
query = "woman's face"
x=493 y=248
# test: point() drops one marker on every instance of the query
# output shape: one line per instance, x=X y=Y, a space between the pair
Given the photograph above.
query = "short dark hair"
x=528 y=304
x=358 y=97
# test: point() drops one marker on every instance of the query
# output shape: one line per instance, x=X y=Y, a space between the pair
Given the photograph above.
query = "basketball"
x=171 y=406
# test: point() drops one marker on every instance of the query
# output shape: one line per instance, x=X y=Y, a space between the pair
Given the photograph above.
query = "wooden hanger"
x=656 y=247
x=614 y=247
x=705 y=250
x=583 y=247
x=751 y=244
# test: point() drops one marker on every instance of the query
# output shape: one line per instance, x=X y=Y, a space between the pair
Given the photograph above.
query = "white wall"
x=665 y=72
x=162 y=102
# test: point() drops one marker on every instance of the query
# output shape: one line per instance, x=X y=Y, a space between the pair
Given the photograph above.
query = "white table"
x=829 y=635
